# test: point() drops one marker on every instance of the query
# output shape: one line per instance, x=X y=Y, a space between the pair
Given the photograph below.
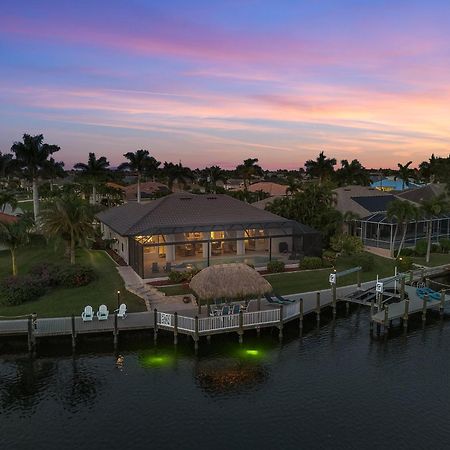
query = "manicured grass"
x=67 y=301
x=26 y=206
x=436 y=259
x=311 y=280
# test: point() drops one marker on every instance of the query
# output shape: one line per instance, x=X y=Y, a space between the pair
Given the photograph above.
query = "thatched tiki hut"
x=229 y=281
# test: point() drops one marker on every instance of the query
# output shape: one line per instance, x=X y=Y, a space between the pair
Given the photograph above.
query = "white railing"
x=261 y=317
x=165 y=319
x=291 y=310
x=218 y=323
x=186 y=323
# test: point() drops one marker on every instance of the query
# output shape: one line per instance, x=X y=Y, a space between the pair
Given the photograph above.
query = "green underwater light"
x=252 y=352
x=152 y=360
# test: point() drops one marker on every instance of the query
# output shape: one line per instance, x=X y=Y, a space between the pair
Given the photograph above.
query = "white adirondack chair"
x=102 y=313
x=122 y=311
x=88 y=314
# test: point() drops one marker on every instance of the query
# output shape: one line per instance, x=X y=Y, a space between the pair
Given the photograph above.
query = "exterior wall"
x=120 y=246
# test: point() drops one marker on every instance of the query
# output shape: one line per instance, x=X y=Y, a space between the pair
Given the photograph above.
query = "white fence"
x=227 y=322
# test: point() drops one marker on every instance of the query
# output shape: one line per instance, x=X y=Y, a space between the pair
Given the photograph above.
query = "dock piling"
x=241 y=327
x=318 y=308
x=175 y=328
x=406 y=314
x=442 y=304
x=116 y=331
x=386 y=318
x=280 y=326
x=300 y=324
x=155 y=325
x=334 y=299
x=74 y=333
x=424 y=308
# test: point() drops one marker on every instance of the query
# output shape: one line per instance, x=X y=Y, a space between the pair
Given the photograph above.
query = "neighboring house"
x=261 y=204
x=149 y=189
x=273 y=189
x=185 y=230
x=234 y=184
x=373 y=225
x=392 y=184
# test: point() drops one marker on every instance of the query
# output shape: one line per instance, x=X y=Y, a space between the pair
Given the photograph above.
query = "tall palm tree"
x=293 y=186
x=14 y=235
x=177 y=173
x=352 y=173
x=32 y=155
x=69 y=218
x=52 y=170
x=404 y=173
x=402 y=212
x=6 y=165
x=94 y=171
x=213 y=175
x=248 y=170
x=138 y=162
x=322 y=167
x=430 y=208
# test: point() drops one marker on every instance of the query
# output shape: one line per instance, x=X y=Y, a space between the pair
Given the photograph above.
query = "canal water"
x=335 y=388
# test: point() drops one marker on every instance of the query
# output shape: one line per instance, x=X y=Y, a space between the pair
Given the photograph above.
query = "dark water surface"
x=334 y=388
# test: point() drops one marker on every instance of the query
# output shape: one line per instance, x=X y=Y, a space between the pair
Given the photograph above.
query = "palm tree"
x=6 y=165
x=213 y=175
x=293 y=186
x=349 y=219
x=321 y=168
x=404 y=173
x=352 y=173
x=430 y=208
x=53 y=169
x=248 y=170
x=70 y=219
x=93 y=171
x=177 y=173
x=7 y=198
x=138 y=162
x=402 y=212
x=14 y=235
x=32 y=155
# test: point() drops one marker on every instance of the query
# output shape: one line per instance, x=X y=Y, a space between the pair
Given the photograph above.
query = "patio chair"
x=225 y=310
x=282 y=299
x=122 y=311
x=272 y=300
x=236 y=309
x=88 y=314
x=102 y=313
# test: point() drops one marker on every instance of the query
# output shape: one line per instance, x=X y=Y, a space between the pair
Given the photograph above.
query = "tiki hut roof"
x=229 y=281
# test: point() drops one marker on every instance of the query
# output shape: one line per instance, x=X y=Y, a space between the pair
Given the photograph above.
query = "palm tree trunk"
x=13 y=262
x=430 y=230
x=139 y=187
x=35 y=199
x=405 y=227
x=72 y=248
x=393 y=240
x=94 y=194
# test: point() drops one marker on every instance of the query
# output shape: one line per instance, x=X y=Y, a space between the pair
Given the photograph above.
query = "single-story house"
x=273 y=189
x=370 y=207
x=183 y=230
x=149 y=189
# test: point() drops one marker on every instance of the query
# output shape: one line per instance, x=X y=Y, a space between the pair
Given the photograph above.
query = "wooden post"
x=208 y=309
x=74 y=333
x=334 y=300
x=318 y=308
x=402 y=289
x=116 y=332
x=442 y=304
x=199 y=306
x=358 y=279
x=424 y=308
x=241 y=327
x=280 y=326
x=372 y=307
x=386 y=318
x=347 y=307
x=155 y=325
x=196 y=335
x=301 y=314
x=259 y=303
x=406 y=314
x=175 y=328
x=30 y=334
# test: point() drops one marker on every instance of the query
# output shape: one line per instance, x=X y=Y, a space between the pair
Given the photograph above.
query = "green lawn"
x=311 y=280
x=26 y=206
x=67 y=301
x=436 y=259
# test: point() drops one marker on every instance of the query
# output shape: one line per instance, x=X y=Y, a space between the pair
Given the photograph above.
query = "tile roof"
x=268 y=186
x=376 y=203
x=423 y=193
x=183 y=212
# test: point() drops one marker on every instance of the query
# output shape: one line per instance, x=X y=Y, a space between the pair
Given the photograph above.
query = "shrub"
x=310 y=262
x=75 y=275
x=365 y=260
x=329 y=255
x=190 y=273
x=47 y=273
x=407 y=252
x=346 y=244
x=20 y=289
x=176 y=277
x=275 y=266
x=445 y=245
x=404 y=263
x=421 y=248
x=435 y=248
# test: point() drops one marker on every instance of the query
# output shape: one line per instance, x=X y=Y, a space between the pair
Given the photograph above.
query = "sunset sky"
x=209 y=82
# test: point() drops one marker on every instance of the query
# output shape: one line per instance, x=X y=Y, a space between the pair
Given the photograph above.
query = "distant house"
x=184 y=230
x=391 y=184
x=374 y=227
x=234 y=184
x=273 y=189
x=149 y=189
